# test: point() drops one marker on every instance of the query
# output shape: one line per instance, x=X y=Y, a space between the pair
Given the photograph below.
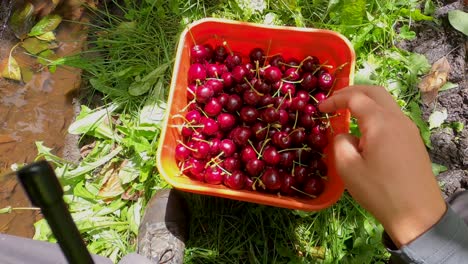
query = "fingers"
x=344 y=97
x=347 y=157
x=360 y=105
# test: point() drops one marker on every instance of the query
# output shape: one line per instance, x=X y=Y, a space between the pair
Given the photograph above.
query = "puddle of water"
x=39 y=110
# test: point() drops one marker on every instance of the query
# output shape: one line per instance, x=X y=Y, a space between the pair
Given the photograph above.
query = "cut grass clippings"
x=132 y=44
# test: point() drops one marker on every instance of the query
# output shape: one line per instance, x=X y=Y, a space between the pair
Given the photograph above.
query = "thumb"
x=348 y=160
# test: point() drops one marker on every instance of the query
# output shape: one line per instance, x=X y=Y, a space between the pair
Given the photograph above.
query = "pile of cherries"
x=253 y=122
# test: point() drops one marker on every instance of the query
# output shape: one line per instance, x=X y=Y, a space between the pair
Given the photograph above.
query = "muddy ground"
x=449 y=147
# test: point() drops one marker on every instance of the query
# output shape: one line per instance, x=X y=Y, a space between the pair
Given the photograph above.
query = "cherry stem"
x=268 y=51
x=193 y=38
x=183 y=144
x=329 y=124
x=251 y=87
x=297 y=190
x=224 y=170
x=263 y=146
x=281 y=103
x=299 y=163
x=326 y=117
x=295 y=120
x=258 y=154
x=337 y=70
x=229 y=48
x=322 y=65
x=286 y=81
x=214 y=160
x=289 y=149
x=313 y=98
x=269 y=56
x=201 y=140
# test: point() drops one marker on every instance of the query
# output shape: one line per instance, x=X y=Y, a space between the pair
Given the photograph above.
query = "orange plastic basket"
x=327 y=45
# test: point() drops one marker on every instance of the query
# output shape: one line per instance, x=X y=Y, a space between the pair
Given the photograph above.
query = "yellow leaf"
x=431 y=83
x=11 y=70
x=48 y=36
x=111 y=186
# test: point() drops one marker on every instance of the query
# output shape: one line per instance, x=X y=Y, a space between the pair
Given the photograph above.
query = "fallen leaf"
x=46 y=24
x=48 y=36
x=34 y=45
x=21 y=20
x=111 y=186
x=437 y=118
x=459 y=20
x=432 y=82
x=11 y=69
x=26 y=73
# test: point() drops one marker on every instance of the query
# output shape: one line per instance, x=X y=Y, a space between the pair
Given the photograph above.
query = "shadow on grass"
x=228 y=231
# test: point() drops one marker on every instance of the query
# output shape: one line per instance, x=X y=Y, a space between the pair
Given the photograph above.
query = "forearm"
x=444 y=243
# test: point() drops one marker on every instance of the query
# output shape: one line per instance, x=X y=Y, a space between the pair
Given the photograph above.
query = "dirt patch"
x=450 y=148
x=40 y=110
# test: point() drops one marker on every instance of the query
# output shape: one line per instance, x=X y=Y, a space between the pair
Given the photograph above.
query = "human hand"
x=387 y=170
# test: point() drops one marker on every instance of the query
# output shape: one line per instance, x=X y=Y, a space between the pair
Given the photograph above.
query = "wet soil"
x=450 y=148
x=40 y=110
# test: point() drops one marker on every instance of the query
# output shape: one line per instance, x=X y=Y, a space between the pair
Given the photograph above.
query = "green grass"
x=139 y=42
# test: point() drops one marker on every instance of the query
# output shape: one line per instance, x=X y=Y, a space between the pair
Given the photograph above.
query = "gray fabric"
x=445 y=243
x=19 y=250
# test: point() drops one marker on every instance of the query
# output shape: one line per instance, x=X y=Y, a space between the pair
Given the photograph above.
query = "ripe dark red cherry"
x=196 y=72
x=241 y=135
x=226 y=121
x=271 y=156
x=214 y=175
x=249 y=114
x=273 y=74
x=254 y=167
x=325 y=81
x=271 y=178
x=228 y=147
x=213 y=107
x=233 y=61
x=314 y=186
x=309 y=81
x=198 y=54
x=235 y=181
x=220 y=54
x=257 y=55
x=239 y=73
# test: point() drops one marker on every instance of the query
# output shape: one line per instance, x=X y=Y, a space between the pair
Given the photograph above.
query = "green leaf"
x=46 y=24
x=42 y=231
x=437 y=168
x=406 y=33
x=459 y=20
x=448 y=86
x=81 y=191
x=5 y=210
x=92 y=121
x=12 y=70
x=48 y=36
x=457 y=126
x=45 y=57
x=414 y=112
x=34 y=45
x=429 y=8
x=418 y=64
x=140 y=87
x=352 y=12
x=437 y=118
x=21 y=20
x=415 y=14
x=134 y=216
